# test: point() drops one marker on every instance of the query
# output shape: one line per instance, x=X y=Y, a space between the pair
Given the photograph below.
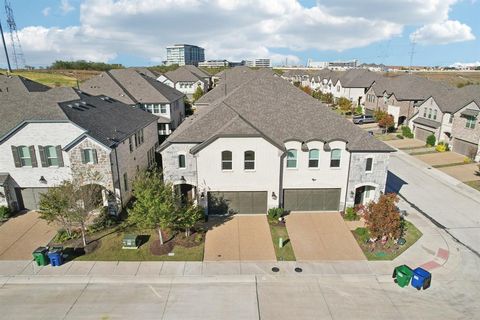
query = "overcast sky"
x=136 y=32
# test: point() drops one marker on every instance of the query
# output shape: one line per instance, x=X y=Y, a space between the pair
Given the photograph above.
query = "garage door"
x=464 y=147
x=422 y=134
x=311 y=199
x=31 y=197
x=244 y=202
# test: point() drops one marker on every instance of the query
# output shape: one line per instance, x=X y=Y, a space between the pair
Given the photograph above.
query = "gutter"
x=280 y=183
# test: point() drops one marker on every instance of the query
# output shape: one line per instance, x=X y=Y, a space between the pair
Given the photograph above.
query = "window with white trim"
x=51 y=156
x=25 y=156
x=313 y=158
x=249 y=160
x=369 y=165
x=470 y=124
x=335 y=156
x=227 y=163
x=181 y=161
x=291 y=158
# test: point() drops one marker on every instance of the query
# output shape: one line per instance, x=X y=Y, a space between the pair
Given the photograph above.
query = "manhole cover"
x=275 y=269
x=297 y=269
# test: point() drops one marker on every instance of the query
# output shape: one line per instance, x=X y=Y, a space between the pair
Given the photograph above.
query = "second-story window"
x=470 y=124
x=249 y=160
x=227 y=160
x=25 y=156
x=163 y=108
x=89 y=156
x=335 y=157
x=451 y=119
x=369 y=165
x=181 y=161
x=435 y=114
x=313 y=158
x=292 y=158
x=130 y=144
x=429 y=113
x=51 y=156
x=424 y=112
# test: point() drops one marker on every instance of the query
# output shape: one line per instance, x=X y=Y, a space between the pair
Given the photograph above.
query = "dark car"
x=363 y=119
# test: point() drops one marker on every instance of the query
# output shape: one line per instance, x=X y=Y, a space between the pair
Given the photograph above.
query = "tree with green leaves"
x=197 y=94
x=344 y=105
x=188 y=216
x=156 y=206
x=55 y=206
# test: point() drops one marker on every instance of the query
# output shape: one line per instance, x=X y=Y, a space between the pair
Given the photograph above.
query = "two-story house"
x=353 y=85
x=186 y=79
x=267 y=144
x=140 y=90
x=400 y=95
x=47 y=137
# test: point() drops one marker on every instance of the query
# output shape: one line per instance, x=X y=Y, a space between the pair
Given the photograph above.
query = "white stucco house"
x=136 y=87
x=267 y=144
x=46 y=137
x=187 y=79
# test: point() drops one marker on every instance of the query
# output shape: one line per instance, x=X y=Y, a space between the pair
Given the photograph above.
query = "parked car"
x=363 y=119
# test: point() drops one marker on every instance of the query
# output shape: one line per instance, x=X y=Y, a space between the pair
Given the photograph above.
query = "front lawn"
x=389 y=251
x=109 y=247
x=279 y=230
x=474 y=184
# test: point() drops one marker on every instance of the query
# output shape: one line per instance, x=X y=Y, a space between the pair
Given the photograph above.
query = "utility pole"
x=6 y=51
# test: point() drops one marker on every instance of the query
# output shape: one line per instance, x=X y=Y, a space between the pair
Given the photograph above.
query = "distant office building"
x=259 y=63
x=214 y=64
x=185 y=54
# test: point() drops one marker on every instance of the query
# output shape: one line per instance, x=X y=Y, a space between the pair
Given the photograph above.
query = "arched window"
x=335 y=156
x=313 y=158
x=226 y=160
x=292 y=158
x=181 y=161
x=249 y=163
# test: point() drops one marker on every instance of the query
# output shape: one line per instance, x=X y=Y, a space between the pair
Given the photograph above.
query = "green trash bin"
x=40 y=255
x=403 y=274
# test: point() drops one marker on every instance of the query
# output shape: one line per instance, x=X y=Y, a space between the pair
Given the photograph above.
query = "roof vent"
x=69 y=105
x=83 y=102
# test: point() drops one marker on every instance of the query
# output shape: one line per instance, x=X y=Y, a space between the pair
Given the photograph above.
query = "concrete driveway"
x=243 y=237
x=441 y=158
x=21 y=235
x=406 y=143
x=465 y=172
x=322 y=236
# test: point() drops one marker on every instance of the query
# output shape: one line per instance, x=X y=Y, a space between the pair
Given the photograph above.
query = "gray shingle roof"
x=106 y=121
x=20 y=84
x=182 y=74
x=470 y=113
x=270 y=106
x=455 y=99
x=359 y=78
x=427 y=122
x=131 y=87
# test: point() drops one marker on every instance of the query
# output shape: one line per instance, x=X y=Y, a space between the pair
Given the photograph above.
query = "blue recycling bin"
x=421 y=279
x=56 y=257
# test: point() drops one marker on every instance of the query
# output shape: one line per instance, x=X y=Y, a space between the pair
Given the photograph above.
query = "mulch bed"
x=177 y=239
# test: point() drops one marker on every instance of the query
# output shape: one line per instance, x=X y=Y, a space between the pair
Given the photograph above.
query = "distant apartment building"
x=259 y=63
x=185 y=54
x=334 y=65
x=214 y=64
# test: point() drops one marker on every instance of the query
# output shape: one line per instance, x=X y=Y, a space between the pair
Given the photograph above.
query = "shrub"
x=5 y=213
x=387 y=122
x=406 y=132
x=382 y=218
x=379 y=114
x=104 y=221
x=350 y=214
x=467 y=160
x=275 y=213
x=362 y=234
x=431 y=140
x=399 y=136
x=442 y=147
x=63 y=236
x=359 y=110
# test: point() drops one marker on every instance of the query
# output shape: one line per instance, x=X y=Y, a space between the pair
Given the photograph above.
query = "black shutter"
x=16 y=157
x=43 y=158
x=94 y=154
x=59 y=156
x=33 y=156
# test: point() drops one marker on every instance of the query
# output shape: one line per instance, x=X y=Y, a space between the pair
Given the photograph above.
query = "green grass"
x=111 y=250
x=48 y=78
x=412 y=234
x=286 y=252
x=422 y=153
x=449 y=165
x=474 y=184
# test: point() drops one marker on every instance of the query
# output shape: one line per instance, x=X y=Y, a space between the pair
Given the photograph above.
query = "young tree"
x=156 y=205
x=328 y=98
x=344 y=105
x=382 y=218
x=197 y=94
x=306 y=89
x=188 y=216
x=387 y=122
x=379 y=114
x=55 y=206
x=318 y=95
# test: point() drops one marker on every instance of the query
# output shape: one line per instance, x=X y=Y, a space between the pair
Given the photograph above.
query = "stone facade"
x=358 y=176
x=460 y=130
x=171 y=170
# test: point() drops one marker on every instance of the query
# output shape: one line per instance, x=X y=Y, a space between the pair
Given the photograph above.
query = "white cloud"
x=231 y=29
x=66 y=7
x=46 y=11
x=445 y=32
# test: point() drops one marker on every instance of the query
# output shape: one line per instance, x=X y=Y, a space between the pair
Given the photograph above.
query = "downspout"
x=348 y=182
x=280 y=182
x=118 y=175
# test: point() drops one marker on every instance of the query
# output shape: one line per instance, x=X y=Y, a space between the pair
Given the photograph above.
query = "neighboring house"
x=452 y=117
x=267 y=144
x=186 y=79
x=19 y=84
x=46 y=137
x=229 y=80
x=142 y=91
x=353 y=85
x=401 y=95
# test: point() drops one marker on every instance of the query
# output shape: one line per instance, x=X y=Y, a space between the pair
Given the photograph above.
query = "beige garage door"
x=311 y=199
x=31 y=197
x=244 y=202
x=422 y=134
x=464 y=147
